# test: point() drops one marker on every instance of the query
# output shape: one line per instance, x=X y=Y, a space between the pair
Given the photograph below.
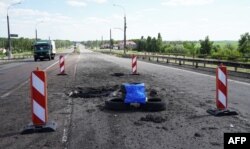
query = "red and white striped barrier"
x=38 y=85
x=62 y=65
x=39 y=97
x=134 y=65
x=221 y=93
x=221 y=87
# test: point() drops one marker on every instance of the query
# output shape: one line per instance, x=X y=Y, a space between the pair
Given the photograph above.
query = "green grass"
x=23 y=53
x=2 y=55
x=59 y=50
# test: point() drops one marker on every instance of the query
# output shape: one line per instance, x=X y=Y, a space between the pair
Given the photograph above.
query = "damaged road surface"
x=76 y=103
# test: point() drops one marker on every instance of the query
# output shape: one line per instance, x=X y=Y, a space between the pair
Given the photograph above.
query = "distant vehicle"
x=44 y=49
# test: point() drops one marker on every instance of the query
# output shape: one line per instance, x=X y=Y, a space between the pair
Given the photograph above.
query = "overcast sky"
x=92 y=19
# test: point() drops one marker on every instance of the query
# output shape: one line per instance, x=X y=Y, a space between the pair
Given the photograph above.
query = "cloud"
x=83 y=3
x=2 y=8
x=4 y=5
x=98 y=1
x=27 y=18
x=204 y=20
x=186 y=2
x=10 y=1
x=76 y=3
x=37 y=15
x=98 y=20
x=147 y=10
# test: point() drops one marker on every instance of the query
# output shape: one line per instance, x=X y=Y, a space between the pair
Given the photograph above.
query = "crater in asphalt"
x=198 y=135
x=153 y=93
x=153 y=118
x=117 y=74
x=93 y=92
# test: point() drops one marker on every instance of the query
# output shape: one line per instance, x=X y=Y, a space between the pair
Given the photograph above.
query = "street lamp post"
x=110 y=39
x=125 y=26
x=125 y=37
x=8 y=27
x=9 y=42
x=36 y=27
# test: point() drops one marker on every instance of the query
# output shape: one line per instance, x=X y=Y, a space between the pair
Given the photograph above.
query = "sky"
x=82 y=20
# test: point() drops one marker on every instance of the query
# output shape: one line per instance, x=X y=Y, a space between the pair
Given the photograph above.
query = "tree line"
x=26 y=45
x=150 y=44
x=202 y=48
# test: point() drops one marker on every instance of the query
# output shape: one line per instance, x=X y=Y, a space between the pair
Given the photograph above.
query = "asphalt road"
x=17 y=73
x=200 y=85
x=84 y=123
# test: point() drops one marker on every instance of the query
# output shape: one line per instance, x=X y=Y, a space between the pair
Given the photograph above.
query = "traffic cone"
x=62 y=65
x=221 y=93
x=134 y=65
x=38 y=88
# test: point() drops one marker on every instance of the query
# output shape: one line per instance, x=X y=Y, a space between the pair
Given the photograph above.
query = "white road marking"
x=21 y=85
x=10 y=92
x=50 y=66
x=54 y=63
x=68 y=110
x=65 y=138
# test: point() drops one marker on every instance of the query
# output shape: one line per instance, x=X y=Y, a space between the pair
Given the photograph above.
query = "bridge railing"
x=195 y=62
x=15 y=58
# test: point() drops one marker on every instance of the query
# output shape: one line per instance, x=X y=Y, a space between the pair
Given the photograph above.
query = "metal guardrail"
x=15 y=58
x=196 y=62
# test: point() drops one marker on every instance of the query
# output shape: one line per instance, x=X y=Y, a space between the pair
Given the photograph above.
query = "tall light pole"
x=110 y=39
x=125 y=26
x=36 y=27
x=8 y=26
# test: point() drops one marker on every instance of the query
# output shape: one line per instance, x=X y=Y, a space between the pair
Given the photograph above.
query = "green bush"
x=1 y=54
x=226 y=54
x=175 y=49
x=234 y=55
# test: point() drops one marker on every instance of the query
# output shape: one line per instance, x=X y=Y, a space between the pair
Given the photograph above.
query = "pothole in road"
x=117 y=74
x=153 y=118
x=91 y=92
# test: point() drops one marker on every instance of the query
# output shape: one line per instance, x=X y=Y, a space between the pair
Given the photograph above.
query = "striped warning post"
x=221 y=94
x=62 y=65
x=221 y=87
x=134 y=65
x=38 y=87
x=39 y=97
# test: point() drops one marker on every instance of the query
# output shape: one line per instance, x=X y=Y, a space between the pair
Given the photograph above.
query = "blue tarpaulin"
x=135 y=93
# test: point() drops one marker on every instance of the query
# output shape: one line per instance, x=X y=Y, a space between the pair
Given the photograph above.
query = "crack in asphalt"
x=69 y=111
